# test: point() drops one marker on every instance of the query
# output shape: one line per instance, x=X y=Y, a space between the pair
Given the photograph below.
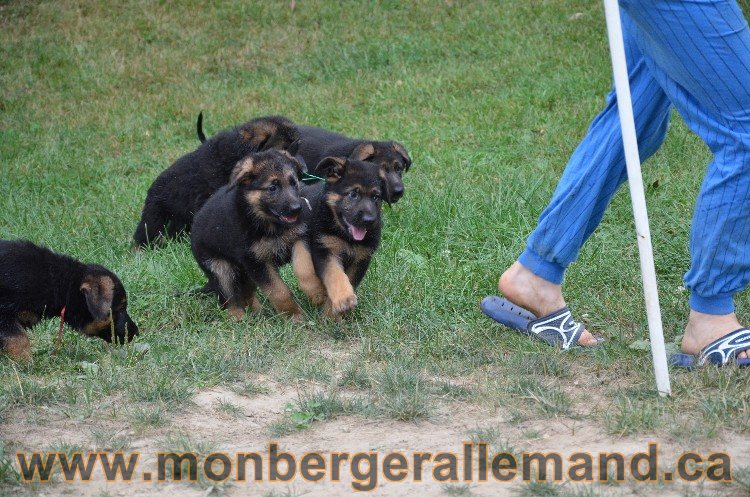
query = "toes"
x=344 y=304
x=587 y=339
x=236 y=313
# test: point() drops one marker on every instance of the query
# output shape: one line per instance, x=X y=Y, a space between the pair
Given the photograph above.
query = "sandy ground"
x=445 y=432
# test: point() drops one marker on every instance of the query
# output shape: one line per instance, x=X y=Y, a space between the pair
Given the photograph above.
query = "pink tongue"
x=357 y=233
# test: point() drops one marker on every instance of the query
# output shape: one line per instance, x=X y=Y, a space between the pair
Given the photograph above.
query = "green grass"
x=490 y=98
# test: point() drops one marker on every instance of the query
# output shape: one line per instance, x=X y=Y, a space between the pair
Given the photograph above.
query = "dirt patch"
x=246 y=429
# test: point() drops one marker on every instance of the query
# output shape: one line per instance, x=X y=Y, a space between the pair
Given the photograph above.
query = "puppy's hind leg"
x=151 y=228
x=308 y=281
x=225 y=277
x=13 y=339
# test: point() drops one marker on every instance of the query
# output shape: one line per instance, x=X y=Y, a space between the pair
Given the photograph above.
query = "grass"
x=490 y=98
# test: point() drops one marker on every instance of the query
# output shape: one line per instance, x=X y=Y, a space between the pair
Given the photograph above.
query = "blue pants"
x=693 y=55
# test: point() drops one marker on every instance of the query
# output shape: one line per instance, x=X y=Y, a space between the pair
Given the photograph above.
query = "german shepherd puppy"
x=246 y=231
x=390 y=157
x=344 y=226
x=38 y=284
x=182 y=189
x=317 y=143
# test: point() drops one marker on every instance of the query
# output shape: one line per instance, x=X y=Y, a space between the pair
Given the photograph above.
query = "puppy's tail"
x=199 y=128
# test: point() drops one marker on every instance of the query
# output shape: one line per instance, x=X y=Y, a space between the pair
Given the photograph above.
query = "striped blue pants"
x=693 y=55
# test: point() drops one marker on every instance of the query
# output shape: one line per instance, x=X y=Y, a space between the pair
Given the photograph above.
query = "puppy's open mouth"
x=289 y=219
x=357 y=233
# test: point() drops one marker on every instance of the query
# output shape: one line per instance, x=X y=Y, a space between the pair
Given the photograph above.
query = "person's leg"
x=700 y=54
x=593 y=174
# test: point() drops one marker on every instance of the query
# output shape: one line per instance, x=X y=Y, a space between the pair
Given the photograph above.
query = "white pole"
x=638 y=197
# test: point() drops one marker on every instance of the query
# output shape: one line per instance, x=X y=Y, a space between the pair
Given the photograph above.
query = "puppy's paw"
x=18 y=348
x=317 y=297
x=236 y=313
x=343 y=304
x=255 y=305
x=298 y=317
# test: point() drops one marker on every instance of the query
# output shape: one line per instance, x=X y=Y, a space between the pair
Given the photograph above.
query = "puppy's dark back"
x=318 y=143
x=25 y=273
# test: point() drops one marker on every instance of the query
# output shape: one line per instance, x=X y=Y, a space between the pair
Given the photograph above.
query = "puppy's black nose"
x=368 y=218
x=398 y=192
x=295 y=209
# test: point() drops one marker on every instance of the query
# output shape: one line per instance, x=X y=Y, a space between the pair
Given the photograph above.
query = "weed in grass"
x=250 y=389
x=65 y=447
x=354 y=375
x=505 y=447
x=402 y=393
x=20 y=390
x=489 y=435
x=8 y=471
x=456 y=490
x=283 y=427
x=168 y=389
x=228 y=407
x=147 y=416
x=548 y=399
x=318 y=370
x=628 y=416
x=531 y=434
x=449 y=390
x=318 y=406
x=106 y=440
x=539 y=489
x=516 y=417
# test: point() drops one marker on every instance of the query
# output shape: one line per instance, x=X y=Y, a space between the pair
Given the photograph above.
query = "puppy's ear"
x=294 y=147
x=243 y=172
x=99 y=292
x=332 y=168
x=299 y=163
x=400 y=150
x=363 y=151
x=258 y=134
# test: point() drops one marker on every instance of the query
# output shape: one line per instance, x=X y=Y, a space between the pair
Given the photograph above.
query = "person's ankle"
x=522 y=287
x=702 y=329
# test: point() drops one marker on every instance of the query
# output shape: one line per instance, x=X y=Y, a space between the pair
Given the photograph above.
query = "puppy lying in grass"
x=182 y=189
x=37 y=284
x=246 y=231
x=344 y=225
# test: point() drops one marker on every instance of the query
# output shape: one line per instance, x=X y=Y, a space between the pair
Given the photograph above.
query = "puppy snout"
x=398 y=192
x=294 y=209
x=368 y=218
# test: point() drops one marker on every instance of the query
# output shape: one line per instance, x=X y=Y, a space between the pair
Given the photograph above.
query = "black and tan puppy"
x=317 y=143
x=390 y=157
x=182 y=189
x=343 y=233
x=246 y=231
x=37 y=283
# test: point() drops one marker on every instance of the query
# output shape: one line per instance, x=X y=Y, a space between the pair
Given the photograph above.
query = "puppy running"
x=246 y=231
x=343 y=233
x=38 y=284
x=182 y=189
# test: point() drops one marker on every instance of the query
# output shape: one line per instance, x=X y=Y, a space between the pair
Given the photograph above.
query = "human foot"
x=703 y=329
x=522 y=287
